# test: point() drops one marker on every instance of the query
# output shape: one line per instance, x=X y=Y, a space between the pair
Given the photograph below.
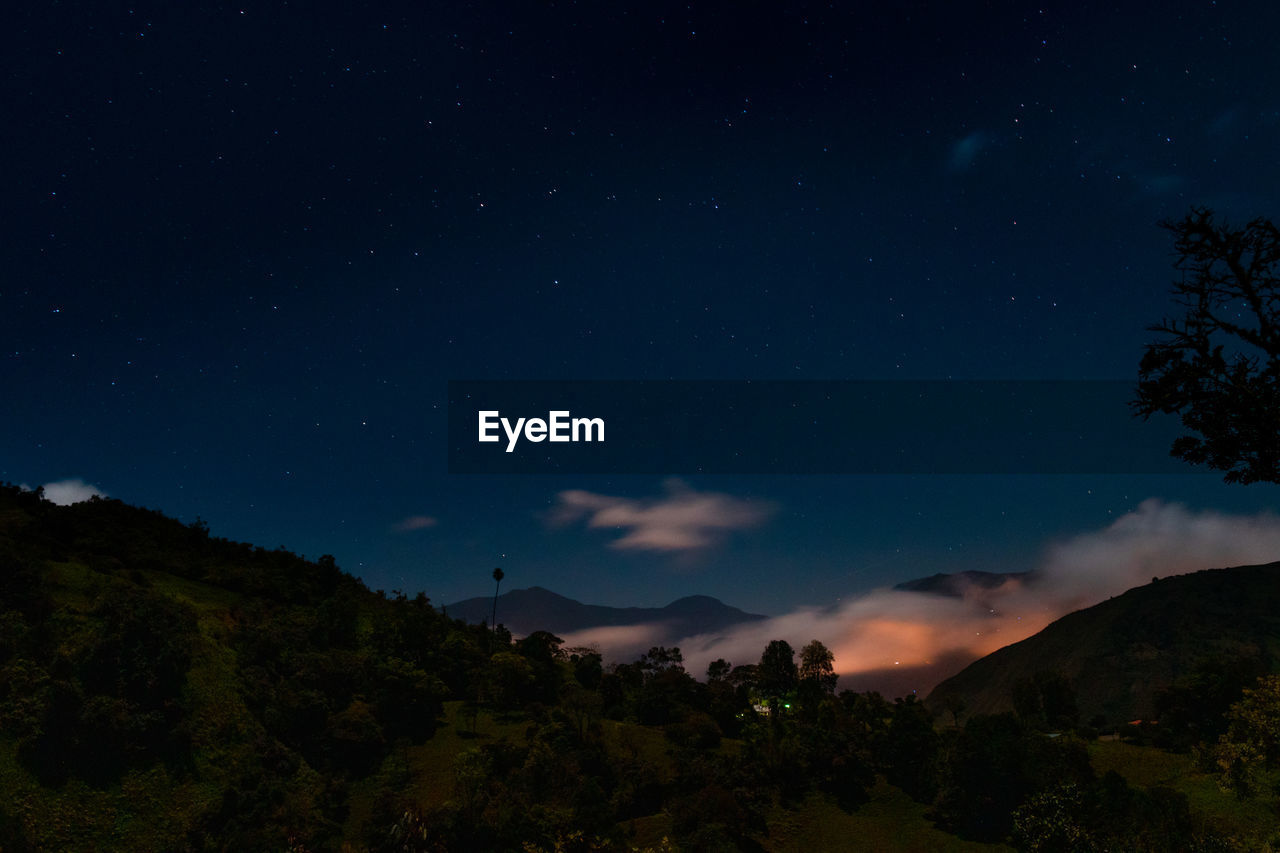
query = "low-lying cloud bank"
x=897 y=641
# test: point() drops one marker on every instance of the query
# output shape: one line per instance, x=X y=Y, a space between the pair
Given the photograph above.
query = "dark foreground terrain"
x=164 y=689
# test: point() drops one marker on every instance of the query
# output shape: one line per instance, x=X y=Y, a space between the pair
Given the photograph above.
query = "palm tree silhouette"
x=497 y=577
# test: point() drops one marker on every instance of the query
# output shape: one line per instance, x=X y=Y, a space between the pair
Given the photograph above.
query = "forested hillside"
x=164 y=689
x=1221 y=624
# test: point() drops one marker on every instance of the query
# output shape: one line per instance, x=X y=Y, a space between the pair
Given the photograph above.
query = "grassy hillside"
x=889 y=821
x=1255 y=823
x=1122 y=652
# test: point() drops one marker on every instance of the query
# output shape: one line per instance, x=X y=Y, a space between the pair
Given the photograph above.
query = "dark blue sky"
x=247 y=245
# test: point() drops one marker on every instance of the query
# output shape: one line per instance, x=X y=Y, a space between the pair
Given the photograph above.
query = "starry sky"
x=246 y=246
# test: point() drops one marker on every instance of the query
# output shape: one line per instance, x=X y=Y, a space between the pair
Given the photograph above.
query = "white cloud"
x=896 y=641
x=415 y=522
x=71 y=491
x=682 y=520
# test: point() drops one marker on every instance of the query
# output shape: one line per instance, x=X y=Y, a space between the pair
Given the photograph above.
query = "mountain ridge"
x=953 y=584
x=1120 y=653
x=537 y=608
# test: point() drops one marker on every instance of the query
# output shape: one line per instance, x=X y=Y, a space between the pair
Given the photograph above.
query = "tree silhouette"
x=776 y=674
x=817 y=667
x=1218 y=367
x=497 y=583
x=718 y=669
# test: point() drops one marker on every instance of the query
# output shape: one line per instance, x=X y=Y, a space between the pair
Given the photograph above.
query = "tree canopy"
x=1218 y=366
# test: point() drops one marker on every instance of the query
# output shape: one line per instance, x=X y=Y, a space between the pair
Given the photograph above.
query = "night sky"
x=245 y=247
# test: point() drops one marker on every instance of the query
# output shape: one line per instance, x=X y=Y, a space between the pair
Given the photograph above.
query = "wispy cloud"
x=415 y=522
x=683 y=519
x=70 y=491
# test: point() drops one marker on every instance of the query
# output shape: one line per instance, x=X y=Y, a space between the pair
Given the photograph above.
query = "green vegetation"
x=1253 y=821
x=889 y=820
x=162 y=689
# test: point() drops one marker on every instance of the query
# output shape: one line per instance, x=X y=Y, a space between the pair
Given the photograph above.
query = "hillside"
x=165 y=689
x=1120 y=653
x=523 y=611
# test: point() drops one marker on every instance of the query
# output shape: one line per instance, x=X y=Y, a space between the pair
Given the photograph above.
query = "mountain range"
x=524 y=611
x=1118 y=654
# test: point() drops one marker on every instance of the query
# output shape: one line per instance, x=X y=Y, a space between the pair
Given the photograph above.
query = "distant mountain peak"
x=956 y=584
x=536 y=608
